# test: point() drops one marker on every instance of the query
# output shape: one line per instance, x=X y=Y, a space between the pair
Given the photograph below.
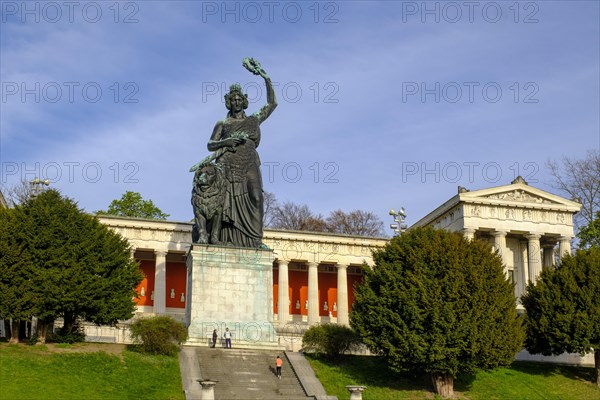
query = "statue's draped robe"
x=242 y=215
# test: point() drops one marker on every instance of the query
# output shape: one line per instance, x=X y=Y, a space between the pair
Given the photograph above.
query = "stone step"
x=248 y=374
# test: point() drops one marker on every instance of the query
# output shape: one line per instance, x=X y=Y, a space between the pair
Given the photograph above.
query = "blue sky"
x=381 y=104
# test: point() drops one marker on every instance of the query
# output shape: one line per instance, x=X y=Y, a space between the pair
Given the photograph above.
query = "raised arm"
x=254 y=66
x=268 y=108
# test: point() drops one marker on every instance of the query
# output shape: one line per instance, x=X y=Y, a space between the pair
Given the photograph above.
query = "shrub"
x=158 y=335
x=330 y=340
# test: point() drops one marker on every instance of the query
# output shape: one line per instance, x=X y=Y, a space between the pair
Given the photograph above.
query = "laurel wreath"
x=252 y=65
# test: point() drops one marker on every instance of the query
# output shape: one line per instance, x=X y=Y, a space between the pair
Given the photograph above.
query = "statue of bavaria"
x=227 y=193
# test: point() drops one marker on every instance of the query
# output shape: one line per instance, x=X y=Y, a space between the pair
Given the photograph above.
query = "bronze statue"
x=233 y=142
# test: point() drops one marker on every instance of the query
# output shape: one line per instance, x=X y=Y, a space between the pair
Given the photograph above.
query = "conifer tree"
x=17 y=300
x=75 y=266
x=438 y=303
x=563 y=308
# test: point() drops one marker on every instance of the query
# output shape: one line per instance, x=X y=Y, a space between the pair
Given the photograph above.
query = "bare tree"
x=580 y=181
x=292 y=216
x=270 y=203
x=20 y=192
x=357 y=222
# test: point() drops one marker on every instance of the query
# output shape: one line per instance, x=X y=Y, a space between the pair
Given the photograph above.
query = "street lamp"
x=399 y=218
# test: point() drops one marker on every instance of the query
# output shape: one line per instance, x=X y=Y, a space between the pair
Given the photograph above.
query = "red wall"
x=352 y=279
x=298 y=281
x=147 y=268
x=176 y=276
x=327 y=292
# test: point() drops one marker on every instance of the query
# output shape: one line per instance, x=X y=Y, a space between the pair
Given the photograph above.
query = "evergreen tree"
x=17 y=299
x=75 y=266
x=132 y=204
x=438 y=303
x=563 y=308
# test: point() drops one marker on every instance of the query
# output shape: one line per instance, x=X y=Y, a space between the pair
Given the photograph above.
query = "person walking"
x=214 y=338
x=227 y=336
x=278 y=364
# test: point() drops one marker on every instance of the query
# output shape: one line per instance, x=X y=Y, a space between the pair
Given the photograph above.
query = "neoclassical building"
x=528 y=226
x=314 y=273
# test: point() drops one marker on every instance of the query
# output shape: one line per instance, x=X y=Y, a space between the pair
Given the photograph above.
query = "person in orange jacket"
x=278 y=364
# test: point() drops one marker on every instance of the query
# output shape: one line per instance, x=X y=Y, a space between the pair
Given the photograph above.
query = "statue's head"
x=234 y=90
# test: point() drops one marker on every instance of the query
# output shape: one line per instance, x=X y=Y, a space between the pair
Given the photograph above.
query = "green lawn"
x=35 y=372
x=521 y=380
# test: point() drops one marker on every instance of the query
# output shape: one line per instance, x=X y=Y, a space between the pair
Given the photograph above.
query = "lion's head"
x=209 y=180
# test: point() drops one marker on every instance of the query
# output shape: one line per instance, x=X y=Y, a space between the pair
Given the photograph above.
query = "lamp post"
x=399 y=226
x=36 y=186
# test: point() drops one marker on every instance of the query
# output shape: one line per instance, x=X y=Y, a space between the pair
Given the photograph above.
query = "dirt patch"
x=110 y=348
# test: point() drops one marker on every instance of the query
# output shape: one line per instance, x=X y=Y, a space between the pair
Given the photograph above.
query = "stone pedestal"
x=208 y=389
x=355 y=391
x=230 y=287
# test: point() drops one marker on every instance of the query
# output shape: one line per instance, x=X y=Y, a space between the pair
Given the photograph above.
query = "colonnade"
x=313 y=293
x=538 y=251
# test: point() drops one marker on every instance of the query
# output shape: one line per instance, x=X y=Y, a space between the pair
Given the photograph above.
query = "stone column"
x=500 y=245
x=534 y=256
x=160 y=282
x=313 y=293
x=283 y=301
x=469 y=233
x=342 y=295
x=548 y=255
x=564 y=245
x=524 y=265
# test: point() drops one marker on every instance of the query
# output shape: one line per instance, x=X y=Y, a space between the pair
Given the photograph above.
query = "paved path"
x=248 y=374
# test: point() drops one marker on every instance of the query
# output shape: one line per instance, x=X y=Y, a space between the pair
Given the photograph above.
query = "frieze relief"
x=315 y=251
x=520 y=196
x=519 y=214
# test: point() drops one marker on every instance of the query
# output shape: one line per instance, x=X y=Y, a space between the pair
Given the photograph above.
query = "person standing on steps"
x=227 y=336
x=278 y=364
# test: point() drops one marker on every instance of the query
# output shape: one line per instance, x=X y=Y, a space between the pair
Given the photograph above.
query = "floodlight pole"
x=36 y=186
x=400 y=221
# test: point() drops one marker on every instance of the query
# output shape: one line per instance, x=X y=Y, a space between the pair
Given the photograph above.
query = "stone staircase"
x=249 y=374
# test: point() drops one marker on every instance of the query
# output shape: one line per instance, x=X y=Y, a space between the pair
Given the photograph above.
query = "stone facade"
x=528 y=226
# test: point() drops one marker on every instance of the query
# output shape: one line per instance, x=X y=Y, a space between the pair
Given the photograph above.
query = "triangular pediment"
x=519 y=193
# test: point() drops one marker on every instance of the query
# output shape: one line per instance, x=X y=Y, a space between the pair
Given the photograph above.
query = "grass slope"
x=521 y=380
x=34 y=372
